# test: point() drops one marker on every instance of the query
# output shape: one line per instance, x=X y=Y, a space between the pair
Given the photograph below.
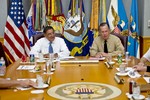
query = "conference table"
x=67 y=72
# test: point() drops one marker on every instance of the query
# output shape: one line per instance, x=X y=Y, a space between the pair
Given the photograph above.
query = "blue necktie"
x=50 y=48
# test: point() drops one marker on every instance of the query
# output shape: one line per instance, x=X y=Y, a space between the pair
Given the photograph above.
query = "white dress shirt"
x=147 y=55
x=42 y=45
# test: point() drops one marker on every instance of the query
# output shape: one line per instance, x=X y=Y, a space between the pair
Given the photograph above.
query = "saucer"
x=117 y=59
x=127 y=69
x=121 y=74
x=43 y=87
x=111 y=63
x=40 y=60
x=37 y=91
x=141 y=97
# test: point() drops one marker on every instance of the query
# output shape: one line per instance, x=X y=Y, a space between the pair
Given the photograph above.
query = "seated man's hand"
x=139 y=67
x=46 y=55
x=27 y=83
x=104 y=54
x=98 y=55
x=55 y=55
x=141 y=64
x=101 y=54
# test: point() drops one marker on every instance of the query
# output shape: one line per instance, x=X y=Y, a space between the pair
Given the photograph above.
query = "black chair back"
x=36 y=37
x=40 y=35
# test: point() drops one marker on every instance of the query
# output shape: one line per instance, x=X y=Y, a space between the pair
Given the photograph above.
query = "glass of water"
x=40 y=82
x=40 y=56
x=136 y=90
x=109 y=58
x=36 y=95
x=48 y=66
x=122 y=67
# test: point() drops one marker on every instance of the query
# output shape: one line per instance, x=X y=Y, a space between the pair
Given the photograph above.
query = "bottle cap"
x=2 y=58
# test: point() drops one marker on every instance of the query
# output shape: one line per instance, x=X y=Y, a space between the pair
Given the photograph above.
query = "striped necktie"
x=105 y=46
x=50 y=48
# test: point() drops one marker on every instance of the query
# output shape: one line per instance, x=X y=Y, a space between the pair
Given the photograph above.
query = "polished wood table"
x=70 y=72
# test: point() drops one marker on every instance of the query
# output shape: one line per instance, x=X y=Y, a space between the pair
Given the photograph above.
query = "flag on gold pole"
x=94 y=15
x=102 y=11
x=117 y=18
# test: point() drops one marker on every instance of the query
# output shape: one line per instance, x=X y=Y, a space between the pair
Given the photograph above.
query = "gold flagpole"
x=53 y=7
x=94 y=15
x=104 y=10
x=48 y=12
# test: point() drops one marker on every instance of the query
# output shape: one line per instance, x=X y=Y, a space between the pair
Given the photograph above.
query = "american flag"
x=16 y=42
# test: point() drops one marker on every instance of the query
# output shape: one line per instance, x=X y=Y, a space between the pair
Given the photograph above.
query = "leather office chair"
x=36 y=37
x=123 y=39
x=2 y=54
x=40 y=35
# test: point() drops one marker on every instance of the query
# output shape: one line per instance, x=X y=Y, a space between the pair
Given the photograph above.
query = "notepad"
x=26 y=67
x=80 y=61
x=94 y=58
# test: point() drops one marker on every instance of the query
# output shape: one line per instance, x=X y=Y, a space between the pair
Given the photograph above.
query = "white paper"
x=32 y=79
x=80 y=61
x=67 y=57
x=26 y=67
x=94 y=58
x=147 y=79
x=134 y=75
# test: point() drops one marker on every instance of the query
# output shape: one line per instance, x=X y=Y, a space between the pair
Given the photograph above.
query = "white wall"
x=146 y=17
x=3 y=16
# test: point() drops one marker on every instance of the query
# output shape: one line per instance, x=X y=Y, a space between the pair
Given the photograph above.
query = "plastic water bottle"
x=127 y=56
x=119 y=58
x=2 y=67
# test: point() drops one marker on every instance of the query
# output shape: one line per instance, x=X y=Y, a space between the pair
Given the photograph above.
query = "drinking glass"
x=109 y=58
x=51 y=57
x=48 y=66
x=122 y=67
x=40 y=82
x=136 y=90
x=54 y=65
x=40 y=56
x=36 y=95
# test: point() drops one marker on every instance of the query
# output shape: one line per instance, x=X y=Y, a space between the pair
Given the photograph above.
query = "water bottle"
x=32 y=58
x=127 y=56
x=119 y=58
x=2 y=67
